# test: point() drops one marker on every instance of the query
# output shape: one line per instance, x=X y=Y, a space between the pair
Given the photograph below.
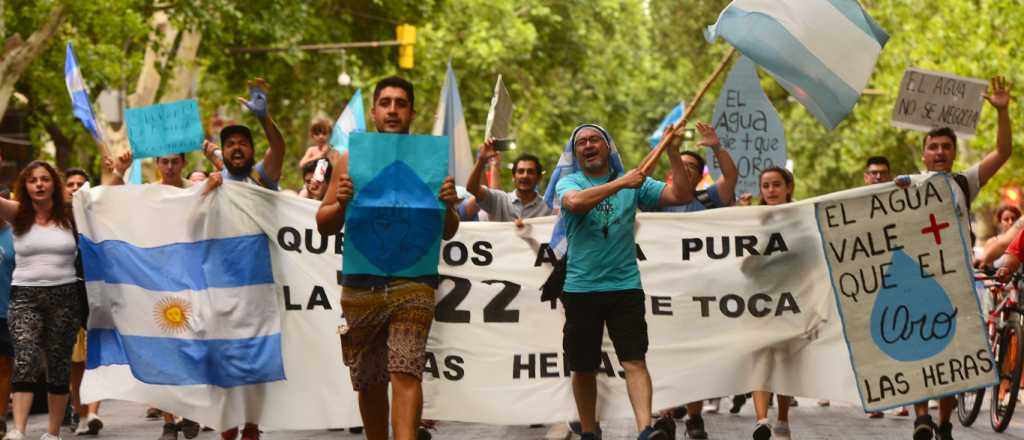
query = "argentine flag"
x=186 y=300
x=822 y=51
x=449 y=121
x=80 y=103
x=671 y=118
x=352 y=120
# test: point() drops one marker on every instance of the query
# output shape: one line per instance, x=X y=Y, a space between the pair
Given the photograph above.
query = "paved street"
x=840 y=421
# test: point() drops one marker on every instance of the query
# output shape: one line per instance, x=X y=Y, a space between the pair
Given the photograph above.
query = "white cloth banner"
x=738 y=299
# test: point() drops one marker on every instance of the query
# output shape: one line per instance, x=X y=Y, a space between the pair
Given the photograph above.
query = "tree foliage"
x=622 y=64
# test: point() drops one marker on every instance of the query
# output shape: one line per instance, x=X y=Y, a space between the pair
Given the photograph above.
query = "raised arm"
x=1000 y=99
x=726 y=183
x=273 y=159
x=681 y=190
x=117 y=167
x=482 y=159
x=330 y=218
x=210 y=150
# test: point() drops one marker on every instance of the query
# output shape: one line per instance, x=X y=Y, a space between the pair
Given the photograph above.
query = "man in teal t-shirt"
x=602 y=285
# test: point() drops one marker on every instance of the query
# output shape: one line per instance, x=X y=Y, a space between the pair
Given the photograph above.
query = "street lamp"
x=344 y=79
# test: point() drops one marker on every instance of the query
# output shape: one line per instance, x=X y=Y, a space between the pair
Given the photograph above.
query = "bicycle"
x=1004 y=324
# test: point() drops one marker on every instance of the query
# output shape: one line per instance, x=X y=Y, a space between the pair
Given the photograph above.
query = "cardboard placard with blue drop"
x=394 y=221
x=900 y=270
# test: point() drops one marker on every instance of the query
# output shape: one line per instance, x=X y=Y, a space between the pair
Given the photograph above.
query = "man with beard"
x=239 y=152
x=387 y=319
x=501 y=206
x=240 y=165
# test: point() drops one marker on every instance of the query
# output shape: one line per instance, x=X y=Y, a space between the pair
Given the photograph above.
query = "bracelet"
x=117 y=173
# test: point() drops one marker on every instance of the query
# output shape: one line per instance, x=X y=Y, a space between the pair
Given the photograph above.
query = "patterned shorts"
x=387 y=330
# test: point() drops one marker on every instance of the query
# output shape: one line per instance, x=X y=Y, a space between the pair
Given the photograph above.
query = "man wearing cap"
x=240 y=165
x=501 y=206
x=602 y=287
x=239 y=154
x=387 y=319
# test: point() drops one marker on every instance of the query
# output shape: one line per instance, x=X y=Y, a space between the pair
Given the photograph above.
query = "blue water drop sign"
x=395 y=235
x=915 y=319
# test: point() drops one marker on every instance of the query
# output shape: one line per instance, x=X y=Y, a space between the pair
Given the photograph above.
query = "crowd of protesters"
x=43 y=305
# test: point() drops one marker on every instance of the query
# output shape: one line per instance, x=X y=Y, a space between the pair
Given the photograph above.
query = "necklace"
x=603 y=207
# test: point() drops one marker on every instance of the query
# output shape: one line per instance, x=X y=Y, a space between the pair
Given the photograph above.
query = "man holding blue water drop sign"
x=396 y=202
x=900 y=269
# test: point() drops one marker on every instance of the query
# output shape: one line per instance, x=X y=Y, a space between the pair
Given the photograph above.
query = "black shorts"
x=586 y=315
x=6 y=348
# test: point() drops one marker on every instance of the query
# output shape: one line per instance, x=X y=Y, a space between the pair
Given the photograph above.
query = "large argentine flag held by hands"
x=190 y=301
x=821 y=51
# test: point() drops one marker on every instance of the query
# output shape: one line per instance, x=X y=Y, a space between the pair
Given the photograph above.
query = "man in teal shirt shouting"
x=602 y=285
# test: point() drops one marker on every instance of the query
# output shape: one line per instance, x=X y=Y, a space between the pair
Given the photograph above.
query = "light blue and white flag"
x=352 y=120
x=135 y=173
x=81 y=106
x=822 y=51
x=450 y=122
x=671 y=118
x=188 y=300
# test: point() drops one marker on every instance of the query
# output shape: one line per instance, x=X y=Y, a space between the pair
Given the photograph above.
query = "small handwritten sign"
x=162 y=129
x=748 y=127
x=929 y=100
x=905 y=292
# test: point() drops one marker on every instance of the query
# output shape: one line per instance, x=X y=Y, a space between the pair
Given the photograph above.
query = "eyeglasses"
x=595 y=139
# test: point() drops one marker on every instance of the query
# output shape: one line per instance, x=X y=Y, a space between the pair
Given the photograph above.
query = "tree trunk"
x=18 y=54
x=62 y=145
x=180 y=80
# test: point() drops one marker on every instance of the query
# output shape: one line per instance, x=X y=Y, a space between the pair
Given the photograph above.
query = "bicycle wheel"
x=969 y=405
x=1009 y=360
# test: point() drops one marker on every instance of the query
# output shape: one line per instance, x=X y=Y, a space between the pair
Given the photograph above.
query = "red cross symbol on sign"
x=935 y=228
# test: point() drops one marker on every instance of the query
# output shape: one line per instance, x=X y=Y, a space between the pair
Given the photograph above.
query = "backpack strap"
x=961 y=181
x=255 y=176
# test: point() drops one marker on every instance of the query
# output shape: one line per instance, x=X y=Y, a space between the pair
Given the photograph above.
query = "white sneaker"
x=83 y=427
x=712 y=406
x=47 y=436
x=90 y=426
x=14 y=434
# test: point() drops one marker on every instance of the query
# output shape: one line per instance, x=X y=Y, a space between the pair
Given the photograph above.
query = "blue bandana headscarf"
x=567 y=164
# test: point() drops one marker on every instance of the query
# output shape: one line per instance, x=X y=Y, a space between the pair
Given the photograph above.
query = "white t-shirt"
x=46 y=257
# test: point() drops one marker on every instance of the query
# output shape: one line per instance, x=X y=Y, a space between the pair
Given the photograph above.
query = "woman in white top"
x=46 y=307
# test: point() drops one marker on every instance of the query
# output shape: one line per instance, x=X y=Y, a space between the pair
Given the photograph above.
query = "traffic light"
x=1011 y=195
x=406 y=40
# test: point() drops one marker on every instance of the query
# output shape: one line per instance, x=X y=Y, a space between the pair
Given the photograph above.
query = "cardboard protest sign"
x=162 y=129
x=499 y=117
x=929 y=100
x=393 y=224
x=901 y=275
x=748 y=127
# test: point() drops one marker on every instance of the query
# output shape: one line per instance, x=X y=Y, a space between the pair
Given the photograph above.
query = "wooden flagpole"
x=674 y=130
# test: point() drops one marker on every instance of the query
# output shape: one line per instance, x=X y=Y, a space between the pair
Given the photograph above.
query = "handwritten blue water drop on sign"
x=914 y=320
x=400 y=216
